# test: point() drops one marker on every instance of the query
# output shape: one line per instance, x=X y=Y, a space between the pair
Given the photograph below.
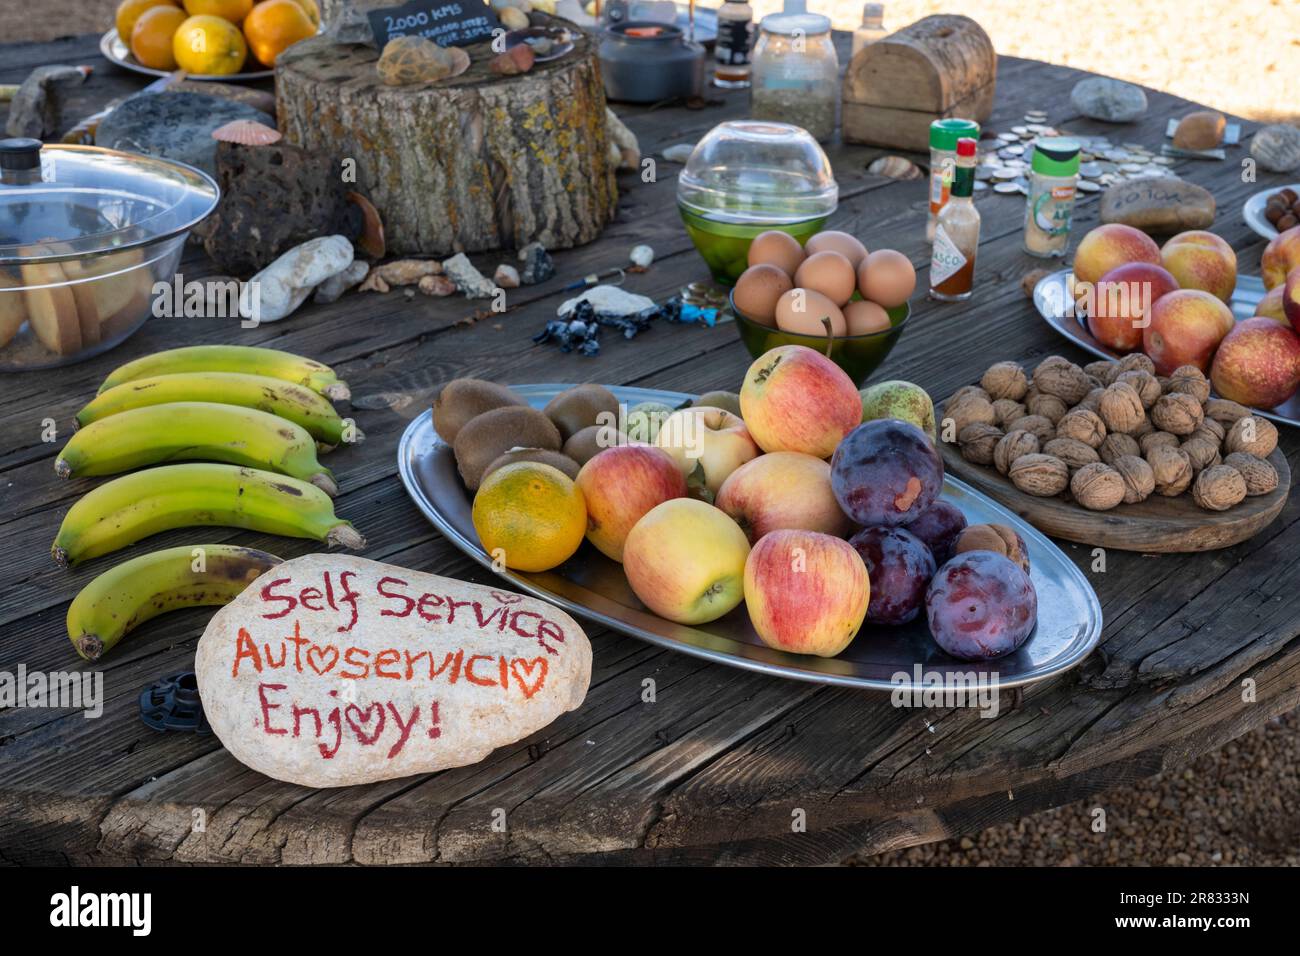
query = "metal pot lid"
x=62 y=202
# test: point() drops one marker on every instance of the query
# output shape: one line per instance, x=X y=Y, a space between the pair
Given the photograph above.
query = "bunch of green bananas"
x=250 y=420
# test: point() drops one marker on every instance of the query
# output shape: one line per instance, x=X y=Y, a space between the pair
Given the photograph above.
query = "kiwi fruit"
x=462 y=399
x=541 y=456
x=486 y=437
x=727 y=401
x=576 y=408
x=590 y=442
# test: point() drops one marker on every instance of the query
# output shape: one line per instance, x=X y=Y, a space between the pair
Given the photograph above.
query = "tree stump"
x=475 y=162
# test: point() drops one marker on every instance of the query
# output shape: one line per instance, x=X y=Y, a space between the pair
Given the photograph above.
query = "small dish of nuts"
x=1273 y=210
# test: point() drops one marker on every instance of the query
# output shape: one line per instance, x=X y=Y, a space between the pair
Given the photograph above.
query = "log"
x=475 y=162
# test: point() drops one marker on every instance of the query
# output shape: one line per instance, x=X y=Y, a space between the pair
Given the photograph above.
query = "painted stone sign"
x=331 y=670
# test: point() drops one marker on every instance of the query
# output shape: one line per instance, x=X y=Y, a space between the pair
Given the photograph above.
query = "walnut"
x=1116 y=445
x=1210 y=430
x=1144 y=428
x=971 y=410
x=1172 y=470
x=1092 y=401
x=1203 y=452
x=1005 y=380
x=1048 y=406
x=1224 y=412
x=1041 y=428
x=1219 y=488
x=967 y=391
x=997 y=538
x=1062 y=378
x=1260 y=475
x=1097 y=487
x=1153 y=439
x=1102 y=370
x=1144 y=383
x=1082 y=425
x=1073 y=452
x=1189 y=380
x=1121 y=407
x=1012 y=446
x=978 y=441
x=1039 y=474
x=1138 y=361
x=1253 y=435
x=1177 y=413
x=1006 y=411
x=1139 y=479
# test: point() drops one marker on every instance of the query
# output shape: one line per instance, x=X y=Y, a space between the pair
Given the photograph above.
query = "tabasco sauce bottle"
x=957 y=233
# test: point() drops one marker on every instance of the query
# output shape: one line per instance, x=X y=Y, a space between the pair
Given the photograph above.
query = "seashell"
x=246 y=133
x=679 y=152
x=1114 y=101
x=371 y=239
x=894 y=167
x=1277 y=148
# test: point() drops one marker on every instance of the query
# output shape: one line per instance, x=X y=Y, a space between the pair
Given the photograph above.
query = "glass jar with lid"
x=794 y=73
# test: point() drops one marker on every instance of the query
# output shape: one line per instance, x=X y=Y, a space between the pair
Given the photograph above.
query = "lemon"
x=530 y=516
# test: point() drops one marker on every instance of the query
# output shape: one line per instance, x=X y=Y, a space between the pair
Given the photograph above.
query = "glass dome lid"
x=759 y=172
x=61 y=202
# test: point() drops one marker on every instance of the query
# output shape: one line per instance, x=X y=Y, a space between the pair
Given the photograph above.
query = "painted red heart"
x=507 y=598
x=366 y=717
x=528 y=667
x=329 y=650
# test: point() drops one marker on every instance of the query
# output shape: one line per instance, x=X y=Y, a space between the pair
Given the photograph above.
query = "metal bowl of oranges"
x=207 y=39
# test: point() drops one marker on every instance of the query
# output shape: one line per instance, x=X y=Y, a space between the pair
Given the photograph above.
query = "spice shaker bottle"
x=1053 y=178
x=957 y=233
x=944 y=134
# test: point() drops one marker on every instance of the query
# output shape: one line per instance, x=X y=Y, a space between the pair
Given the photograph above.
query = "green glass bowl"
x=725 y=245
x=858 y=355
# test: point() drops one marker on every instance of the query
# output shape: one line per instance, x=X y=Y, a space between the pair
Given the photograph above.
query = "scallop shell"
x=246 y=133
x=894 y=167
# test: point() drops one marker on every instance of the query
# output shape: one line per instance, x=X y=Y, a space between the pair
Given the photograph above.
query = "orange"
x=128 y=11
x=209 y=45
x=151 y=37
x=232 y=10
x=309 y=7
x=529 y=516
x=276 y=25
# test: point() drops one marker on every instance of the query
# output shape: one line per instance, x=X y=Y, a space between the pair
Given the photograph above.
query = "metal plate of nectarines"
x=880 y=657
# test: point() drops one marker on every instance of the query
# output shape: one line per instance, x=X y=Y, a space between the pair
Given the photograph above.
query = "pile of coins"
x=1004 y=159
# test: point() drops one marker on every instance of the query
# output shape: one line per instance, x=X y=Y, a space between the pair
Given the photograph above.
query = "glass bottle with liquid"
x=957 y=233
x=731 y=51
x=872 y=27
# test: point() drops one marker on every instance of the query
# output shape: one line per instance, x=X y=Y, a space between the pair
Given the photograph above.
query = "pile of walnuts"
x=1113 y=433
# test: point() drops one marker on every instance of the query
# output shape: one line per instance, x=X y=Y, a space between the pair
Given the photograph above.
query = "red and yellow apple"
x=707 y=444
x=1119 y=304
x=1291 y=298
x=795 y=399
x=685 y=560
x=1281 y=255
x=1186 y=327
x=783 y=490
x=620 y=485
x=1106 y=247
x=806 y=593
x=1258 y=364
x=1202 y=260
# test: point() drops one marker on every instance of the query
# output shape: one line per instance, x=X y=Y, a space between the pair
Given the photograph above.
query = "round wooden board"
x=1158 y=525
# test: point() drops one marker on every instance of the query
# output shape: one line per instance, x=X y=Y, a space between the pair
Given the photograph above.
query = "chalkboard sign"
x=446 y=23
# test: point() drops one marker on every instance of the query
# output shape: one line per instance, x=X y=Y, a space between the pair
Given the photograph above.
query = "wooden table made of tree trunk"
x=723 y=765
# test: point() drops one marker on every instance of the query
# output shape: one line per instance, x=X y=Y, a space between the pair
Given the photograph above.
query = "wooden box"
x=937 y=67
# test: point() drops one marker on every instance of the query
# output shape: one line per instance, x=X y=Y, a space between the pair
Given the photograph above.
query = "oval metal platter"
x=1054 y=289
x=116 y=51
x=880 y=658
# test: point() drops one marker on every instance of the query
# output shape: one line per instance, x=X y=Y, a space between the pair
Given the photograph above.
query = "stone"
x=437 y=286
x=608 y=301
x=518 y=59
x=625 y=149
x=506 y=276
x=1277 y=148
x=176 y=126
x=415 y=59
x=468 y=280
x=1164 y=206
x=332 y=289
x=36 y=110
x=538 y=266
x=281 y=287
x=1114 y=101
x=512 y=18
x=400 y=272
x=642 y=256
x=331 y=670
x=678 y=152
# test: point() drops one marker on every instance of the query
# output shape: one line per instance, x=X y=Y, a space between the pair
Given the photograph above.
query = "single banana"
x=134 y=506
x=233 y=358
x=297 y=403
x=125 y=596
x=193 y=431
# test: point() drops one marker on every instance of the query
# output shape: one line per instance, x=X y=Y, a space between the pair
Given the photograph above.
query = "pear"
x=902 y=400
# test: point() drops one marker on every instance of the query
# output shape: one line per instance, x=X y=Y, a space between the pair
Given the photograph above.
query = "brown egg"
x=757 y=290
x=841 y=242
x=829 y=273
x=863 y=318
x=886 y=277
x=778 y=249
x=802 y=310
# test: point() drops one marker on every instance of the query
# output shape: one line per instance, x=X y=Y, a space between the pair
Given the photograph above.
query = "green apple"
x=901 y=400
x=727 y=401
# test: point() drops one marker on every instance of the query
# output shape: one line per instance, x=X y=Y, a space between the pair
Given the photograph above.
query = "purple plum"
x=981 y=605
x=938 y=526
x=899 y=565
x=886 y=472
